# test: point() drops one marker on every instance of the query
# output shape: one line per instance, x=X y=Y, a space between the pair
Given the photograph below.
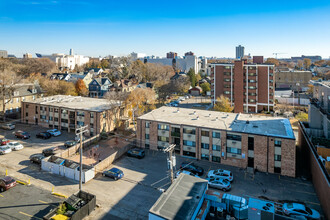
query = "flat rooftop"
x=180 y=201
x=235 y=122
x=76 y=102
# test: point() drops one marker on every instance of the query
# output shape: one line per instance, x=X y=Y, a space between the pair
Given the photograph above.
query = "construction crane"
x=277 y=54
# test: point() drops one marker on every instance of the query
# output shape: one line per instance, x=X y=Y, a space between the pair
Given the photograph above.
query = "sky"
x=208 y=28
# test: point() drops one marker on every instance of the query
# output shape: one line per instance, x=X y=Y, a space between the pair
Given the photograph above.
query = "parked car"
x=224 y=174
x=6 y=183
x=187 y=97
x=300 y=210
x=22 y=135
x=44 y=135
x=174 y=104
x=4 y=141
x=50 y=151
x=136 y=152
x=8 y=126
x=114 y=173
x=192 y=168
x=5 y=150
x=68 y=144
x=36 y=158
x=185 y=172
x=15 y=146
x=221 y=184
x=54 y=132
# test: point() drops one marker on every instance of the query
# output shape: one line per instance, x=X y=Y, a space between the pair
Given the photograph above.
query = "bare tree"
x=8 y=81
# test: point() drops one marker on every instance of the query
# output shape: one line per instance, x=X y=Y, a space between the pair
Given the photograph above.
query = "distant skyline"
x=208 y=28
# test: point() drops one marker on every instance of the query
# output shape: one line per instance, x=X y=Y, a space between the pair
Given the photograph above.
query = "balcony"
x=175 y=134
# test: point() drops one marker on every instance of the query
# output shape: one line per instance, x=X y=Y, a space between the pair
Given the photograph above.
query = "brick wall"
x=239 y=87
x=288 y=160
x=260 y=153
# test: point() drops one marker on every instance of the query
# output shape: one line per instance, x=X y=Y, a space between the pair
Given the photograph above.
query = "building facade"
x=239 y=52
x=99 y=87
x=70 y=112
x=3 y=54
x=262 y=143
x=292 y=79
x=249 y=87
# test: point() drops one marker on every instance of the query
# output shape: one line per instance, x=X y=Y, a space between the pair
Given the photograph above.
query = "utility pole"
x=80 y=131
x=170 y=150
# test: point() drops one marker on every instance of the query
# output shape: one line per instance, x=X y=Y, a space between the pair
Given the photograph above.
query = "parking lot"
x=26 y=202
x=19 y=159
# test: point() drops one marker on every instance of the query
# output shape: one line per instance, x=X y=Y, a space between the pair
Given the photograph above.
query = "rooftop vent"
x=247 y=122
x=255 y=126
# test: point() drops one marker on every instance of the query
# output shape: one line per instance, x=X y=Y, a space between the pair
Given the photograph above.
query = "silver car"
x=300 y=210
x=221 y=184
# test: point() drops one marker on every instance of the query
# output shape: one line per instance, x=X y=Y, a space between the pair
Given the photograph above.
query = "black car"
x=36 y=158
x=44 y=135
x=192 y=168
x=136 y=152
x=49 y=151
x=69 y=144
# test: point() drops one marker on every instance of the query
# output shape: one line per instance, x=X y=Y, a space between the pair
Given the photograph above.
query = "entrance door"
x=251 y=162
x=36 y=121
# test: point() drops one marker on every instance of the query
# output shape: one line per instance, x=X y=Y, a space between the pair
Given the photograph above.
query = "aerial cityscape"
x=183 y=110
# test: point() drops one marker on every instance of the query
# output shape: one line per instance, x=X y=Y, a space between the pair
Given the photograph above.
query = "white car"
x=185 y=172
x=8 y=126
x=221 y=184
x=222 y=174
x=15 y=146
x=54 y=132
x=5 y=149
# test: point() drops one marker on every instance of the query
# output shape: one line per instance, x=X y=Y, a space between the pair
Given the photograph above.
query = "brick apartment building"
x=266 y=144
x=70 y=112
x=249 y=87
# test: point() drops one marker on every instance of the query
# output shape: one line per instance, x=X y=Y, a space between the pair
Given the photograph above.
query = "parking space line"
x=31 y=216
x=313 y=203
x=47 y=203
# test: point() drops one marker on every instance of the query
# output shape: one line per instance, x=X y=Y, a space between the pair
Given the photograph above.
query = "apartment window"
x=50 y=109
x=34 y=97
x=189 y=131
x=251 y=143
x=27 y=106
x=226 y=92
x=234 y=137
x=215 y=134
x=205 y=157
x=252 y=100
x=277 y=157
x=216 y=147
x=226 y=73
x=163 y=127
x=50 y=118
x=205 y=146
x=55 y=119
x=252 y=67
x=82 y=114
x=205 y=133
x=147 y=146
x=271 y=81
x=278 y=143
x=66 y=121
x=251 y=81
x=226 y=86
x=81 y=123
x=56 y=110
x=189 y=143
x=252 y=74
x=162 y=138
x=146 y=136
x=43 y=117
x=36 y=109
x=227 y=67
x=23 y=98
x=226 y=80
x=234 y=150
x=147 y=124
x=252 y=87
x=216 y=159
x=92 y=115
x=91 y=125
x=27 y=114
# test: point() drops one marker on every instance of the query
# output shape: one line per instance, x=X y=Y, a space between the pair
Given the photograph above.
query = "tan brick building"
x=249 y=87
x=243 y=140
x=70 y=112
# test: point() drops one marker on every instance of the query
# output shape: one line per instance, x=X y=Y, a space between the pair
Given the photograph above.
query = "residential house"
x=22 y=92
x=95 y=71
x=87 y=77
x=99 y=87
x=60 y=76
x=123 y=85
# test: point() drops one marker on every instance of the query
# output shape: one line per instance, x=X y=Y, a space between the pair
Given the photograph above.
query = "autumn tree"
x=35 y=66
x=8 y=81
x=272 y=61
x=300 y=64
x=81 y=88
x=205 y=87
x=105 y=64
x=302 y=116
x=307 y=63
x=222 y=104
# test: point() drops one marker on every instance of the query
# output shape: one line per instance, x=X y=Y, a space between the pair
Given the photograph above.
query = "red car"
x=6 y=183
x=4 y=141
x=22 y=135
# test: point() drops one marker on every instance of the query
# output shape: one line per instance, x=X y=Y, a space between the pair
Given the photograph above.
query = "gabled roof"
x=102 y=81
